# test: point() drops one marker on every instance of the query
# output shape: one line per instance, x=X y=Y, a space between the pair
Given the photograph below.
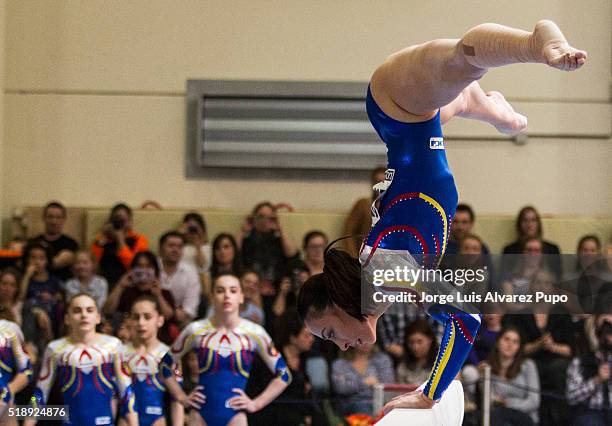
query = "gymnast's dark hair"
x=339 y=285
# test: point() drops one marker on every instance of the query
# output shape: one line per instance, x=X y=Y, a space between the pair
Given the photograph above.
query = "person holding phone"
x=142 y=279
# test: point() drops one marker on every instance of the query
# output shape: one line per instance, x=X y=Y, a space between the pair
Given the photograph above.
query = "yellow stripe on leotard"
x=442 y=213
x=447 y=352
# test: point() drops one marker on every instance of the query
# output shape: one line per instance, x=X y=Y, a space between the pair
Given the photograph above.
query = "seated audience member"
x=487 y=335
x=589 y=280
x=197 y=251
x=518 y=279
x=547 y=332
x=226 y=257
x=265 y=246
x=515 y=386
x=589 y=384
x=117 y=244
x=252 y=308
x=294 y=342
x=462 y=225
x=143 y=278
x=9 y=293
x=179 y=277
x=41 y=295
x=85 y=280
x=359 y=220
x=528 y=226
x=314 y=249
x=60 y=246
x=354 y=376
x=392 y=328
x=420 y=348
x=472 y=257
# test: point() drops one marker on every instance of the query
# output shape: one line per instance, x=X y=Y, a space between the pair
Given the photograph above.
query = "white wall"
x=95 y=110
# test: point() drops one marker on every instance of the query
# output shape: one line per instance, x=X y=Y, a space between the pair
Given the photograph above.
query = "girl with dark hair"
x=420 y=349
x=142 y=357
x=409 y=97
x=226 y=345
x=226 y=256
x=197 y=250
x=515 y=384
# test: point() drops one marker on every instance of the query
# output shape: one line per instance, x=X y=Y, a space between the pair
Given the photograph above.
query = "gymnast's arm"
x=46 y=377
x=126 y=392
x=22 y=362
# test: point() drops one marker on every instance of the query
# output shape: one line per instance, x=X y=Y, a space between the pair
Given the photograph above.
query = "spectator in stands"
x=294 y=341
x=86 y=281
x=226 y=256
x=517 y=280
x=589 y=280
x=60 y=246
x=547 y=332
x=354 y=376
x=117 y=244
x=515 y=386
x=179 y=277
x=589 y=385
x=462 y=224
x=314 y=249
x=285 y=300
x=529 y=226
x=9 y=293
x=197 y=252
x=265 y=246
x=359 y=220
x=488 y=333
x=41 y=295
x=143 y=278
x=420 y=348
x=471 y=257
x=252 y=308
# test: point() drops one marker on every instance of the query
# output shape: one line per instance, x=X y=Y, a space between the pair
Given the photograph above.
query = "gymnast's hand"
x=195 y=398
x=242 y=402
x=415 y=399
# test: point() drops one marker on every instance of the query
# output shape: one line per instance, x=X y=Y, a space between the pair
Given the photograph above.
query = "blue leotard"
x=225 y=361
x=13 y=358
x=148 y=388
x=411 y=223
x=88 y=376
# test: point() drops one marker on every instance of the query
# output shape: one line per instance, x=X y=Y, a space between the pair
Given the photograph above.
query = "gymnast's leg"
x=415 y=82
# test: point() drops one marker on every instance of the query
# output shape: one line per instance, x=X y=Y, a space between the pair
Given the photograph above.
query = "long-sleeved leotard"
x=88 y=376
x=146 y=381
x=224 y=361
x=13 y=358
x=410 y=227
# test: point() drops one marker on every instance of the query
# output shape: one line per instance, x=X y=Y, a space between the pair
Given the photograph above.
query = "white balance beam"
x=447 y=412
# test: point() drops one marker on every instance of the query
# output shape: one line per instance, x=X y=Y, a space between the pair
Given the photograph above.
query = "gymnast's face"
x=342 y=329
x=228 y=295
x=83 y=315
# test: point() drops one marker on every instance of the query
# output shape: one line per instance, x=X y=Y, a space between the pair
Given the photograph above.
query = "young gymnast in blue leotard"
x=142 y=358
x=15 y=367
x=225 y=345
x=89 y=368
x=409 y=97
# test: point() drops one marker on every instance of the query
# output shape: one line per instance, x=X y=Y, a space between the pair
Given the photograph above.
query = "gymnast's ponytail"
x=338 y=285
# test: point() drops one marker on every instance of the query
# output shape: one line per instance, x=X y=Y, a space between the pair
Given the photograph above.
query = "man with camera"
x=117 y=244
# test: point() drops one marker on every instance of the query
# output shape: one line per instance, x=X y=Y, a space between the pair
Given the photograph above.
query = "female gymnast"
x=89 y=368
x=142 y=358
x=225 y=345
x=15 y=367
x=410 y=95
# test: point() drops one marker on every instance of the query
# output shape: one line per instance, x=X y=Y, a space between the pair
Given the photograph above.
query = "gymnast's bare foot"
x=555 y=49
x=410 y=400
x=493 y=108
